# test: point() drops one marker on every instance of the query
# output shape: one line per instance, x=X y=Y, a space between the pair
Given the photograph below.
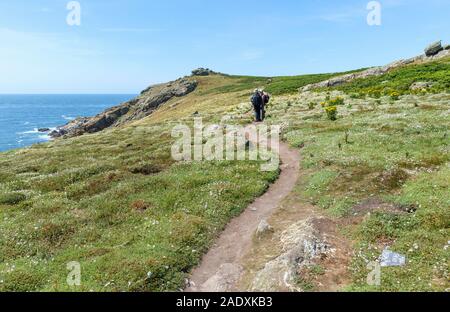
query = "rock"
x=44 y=129
x=434 y=48
x=447 y=47
x=142 y=106
x=301 y=244
x=227 y=275
x=202 y=72
x=421 y=85
x=263 y=229
x=440 y=55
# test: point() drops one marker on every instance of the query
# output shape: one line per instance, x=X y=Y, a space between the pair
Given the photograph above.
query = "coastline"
x=22 y=116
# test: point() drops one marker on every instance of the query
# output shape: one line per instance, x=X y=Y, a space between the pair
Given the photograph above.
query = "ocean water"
x=22 y=115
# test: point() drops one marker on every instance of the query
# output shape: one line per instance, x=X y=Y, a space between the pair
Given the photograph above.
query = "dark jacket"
x=257 y=100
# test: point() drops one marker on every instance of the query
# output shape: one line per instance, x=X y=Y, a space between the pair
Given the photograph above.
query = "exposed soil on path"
x=221 y=268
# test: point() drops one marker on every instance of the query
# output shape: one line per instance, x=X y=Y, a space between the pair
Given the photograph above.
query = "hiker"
x=258 y=105
x=266 y=100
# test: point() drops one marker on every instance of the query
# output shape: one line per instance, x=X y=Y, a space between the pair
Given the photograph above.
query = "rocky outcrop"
x=144 y=105
x=434 y=48
x=302 y=243
x=376 y=71
x=202 y=72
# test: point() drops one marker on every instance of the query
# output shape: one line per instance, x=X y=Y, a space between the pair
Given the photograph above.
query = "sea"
x=21 y=116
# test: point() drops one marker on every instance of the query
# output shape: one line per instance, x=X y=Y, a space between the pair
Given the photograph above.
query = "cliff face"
x=140 y=107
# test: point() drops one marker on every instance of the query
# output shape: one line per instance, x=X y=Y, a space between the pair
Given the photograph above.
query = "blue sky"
x=122 y=46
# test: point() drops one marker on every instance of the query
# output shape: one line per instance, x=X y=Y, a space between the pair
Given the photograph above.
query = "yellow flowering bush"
x=331 y=112
x=333 y=102
x=336 y=101
x=330 y=106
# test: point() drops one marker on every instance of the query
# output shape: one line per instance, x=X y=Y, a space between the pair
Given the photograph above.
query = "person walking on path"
x=259 y=100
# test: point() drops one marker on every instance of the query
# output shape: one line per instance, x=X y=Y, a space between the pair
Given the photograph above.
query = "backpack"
x=256 y=100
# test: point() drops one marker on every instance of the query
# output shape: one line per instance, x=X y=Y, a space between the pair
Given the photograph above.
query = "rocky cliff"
x=140 y=107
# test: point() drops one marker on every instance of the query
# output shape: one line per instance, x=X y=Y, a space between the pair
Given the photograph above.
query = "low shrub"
x=11 y=198
x=331 y=112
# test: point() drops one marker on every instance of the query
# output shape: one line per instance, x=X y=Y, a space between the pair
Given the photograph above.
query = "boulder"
x=434 y=48
x=202 y=72
x=44 y=130
x=421 y=85
x=447 y=47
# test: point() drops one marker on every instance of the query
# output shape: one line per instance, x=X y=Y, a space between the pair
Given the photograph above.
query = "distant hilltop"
x=204 y=72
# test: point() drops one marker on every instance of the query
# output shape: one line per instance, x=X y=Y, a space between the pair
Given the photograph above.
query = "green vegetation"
x=116 y=202
x=331 y=112
x=289 y=85
x=399 y=81
x=11 y=198
x=273 y=85
x=387 y=158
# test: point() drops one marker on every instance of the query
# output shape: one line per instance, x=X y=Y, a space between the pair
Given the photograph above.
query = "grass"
x=339 y=182
x=108 y=208
x=116 y=203
x=274 y=85
x=381 y=149
x=399 y=81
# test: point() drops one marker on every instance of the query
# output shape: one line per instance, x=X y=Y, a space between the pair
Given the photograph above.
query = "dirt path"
x=222 y=267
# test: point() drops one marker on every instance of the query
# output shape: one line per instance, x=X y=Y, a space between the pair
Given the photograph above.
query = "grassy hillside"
x=117 y=203
x=274 y=85
x=400 y=80
x=386 y=156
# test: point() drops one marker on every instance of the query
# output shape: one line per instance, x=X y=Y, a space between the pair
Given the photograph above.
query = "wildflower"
x=331 y=112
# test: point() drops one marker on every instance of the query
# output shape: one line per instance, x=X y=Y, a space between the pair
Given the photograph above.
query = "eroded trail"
x=221 y=268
